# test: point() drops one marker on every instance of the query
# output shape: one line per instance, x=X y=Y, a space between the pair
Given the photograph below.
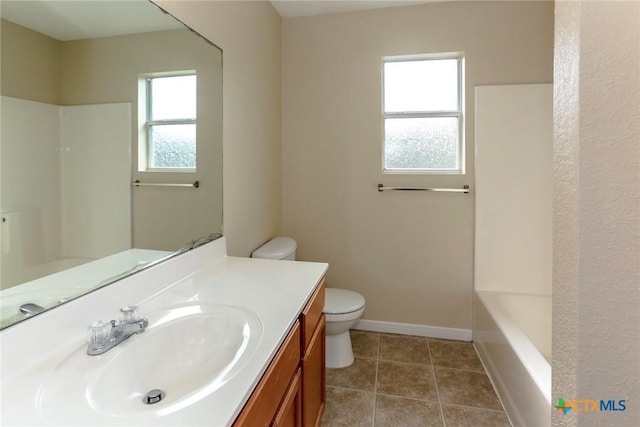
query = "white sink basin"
x=188 y=351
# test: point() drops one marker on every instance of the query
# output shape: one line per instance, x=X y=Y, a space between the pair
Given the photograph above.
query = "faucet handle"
x=129 y=314
x=99 y=334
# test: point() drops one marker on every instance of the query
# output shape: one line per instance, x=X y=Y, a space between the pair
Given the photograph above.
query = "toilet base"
x=339 y=353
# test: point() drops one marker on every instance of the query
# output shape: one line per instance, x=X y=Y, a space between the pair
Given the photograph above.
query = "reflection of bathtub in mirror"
x=34 y=245
x=36 y=271
x=59 y=287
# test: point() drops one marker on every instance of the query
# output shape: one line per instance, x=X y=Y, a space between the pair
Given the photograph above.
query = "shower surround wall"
x=75 y=191
x=36 y=188
x=513 y=242
x=95 y=143
x=514 y=189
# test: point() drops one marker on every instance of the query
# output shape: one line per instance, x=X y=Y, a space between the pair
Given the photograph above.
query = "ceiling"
x=83 y=19
x=73 y=19
x=297 y=8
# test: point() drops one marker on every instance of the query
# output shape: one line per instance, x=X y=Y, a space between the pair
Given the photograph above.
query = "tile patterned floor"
x=406 y=381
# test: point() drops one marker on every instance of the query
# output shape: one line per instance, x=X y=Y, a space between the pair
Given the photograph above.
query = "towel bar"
x=464 y=189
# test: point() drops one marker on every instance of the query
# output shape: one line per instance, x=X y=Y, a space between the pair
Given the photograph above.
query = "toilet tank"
x=278 y=248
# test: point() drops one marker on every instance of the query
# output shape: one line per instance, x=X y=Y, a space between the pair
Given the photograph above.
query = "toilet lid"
x=338 y=301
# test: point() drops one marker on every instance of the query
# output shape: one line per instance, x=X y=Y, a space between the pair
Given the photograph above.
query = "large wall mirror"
x=110 y=146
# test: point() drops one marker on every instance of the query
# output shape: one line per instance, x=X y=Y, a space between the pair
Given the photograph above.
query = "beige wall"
x=107 y=70
x=34 y=76
x=249 y=34
x=596 y=275
x=409 y=254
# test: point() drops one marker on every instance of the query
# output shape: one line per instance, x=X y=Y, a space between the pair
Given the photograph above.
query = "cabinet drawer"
x=265 y=400
x=311 y=315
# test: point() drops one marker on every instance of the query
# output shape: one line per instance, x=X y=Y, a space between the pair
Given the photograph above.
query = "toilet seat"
x=344 y=317
x=342 y=301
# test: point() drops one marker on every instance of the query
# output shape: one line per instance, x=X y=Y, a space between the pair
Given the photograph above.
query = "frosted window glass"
x=421 y=143
x=421 y=86
x=174 y=146
x=173 y=98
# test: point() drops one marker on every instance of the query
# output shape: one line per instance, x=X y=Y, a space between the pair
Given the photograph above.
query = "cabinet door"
x=290 y=412
x=313 y=377
x=263 y=404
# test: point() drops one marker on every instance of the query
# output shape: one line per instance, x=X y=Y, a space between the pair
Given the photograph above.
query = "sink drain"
x=154 y=396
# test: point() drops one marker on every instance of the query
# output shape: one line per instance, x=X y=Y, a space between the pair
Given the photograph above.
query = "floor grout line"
x=416 y=399
x=375 y=385
x=476 y=407
x=351 y=389
x=461 y=369
x=435 y=380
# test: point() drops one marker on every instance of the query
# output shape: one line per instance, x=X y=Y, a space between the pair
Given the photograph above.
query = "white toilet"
x=342 y=307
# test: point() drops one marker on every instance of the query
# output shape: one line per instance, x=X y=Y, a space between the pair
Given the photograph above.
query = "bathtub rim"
x=531 y=358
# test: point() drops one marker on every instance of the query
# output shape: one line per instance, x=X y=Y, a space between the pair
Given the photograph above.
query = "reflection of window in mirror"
x=167 y=113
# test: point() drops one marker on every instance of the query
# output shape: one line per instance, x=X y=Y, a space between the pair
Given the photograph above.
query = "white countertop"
x=276 y=291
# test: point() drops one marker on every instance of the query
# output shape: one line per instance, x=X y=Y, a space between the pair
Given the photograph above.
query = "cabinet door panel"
x=313 y=377
x=290 y=412
x=265 y=400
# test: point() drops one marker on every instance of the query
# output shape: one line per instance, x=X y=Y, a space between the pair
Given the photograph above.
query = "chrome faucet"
x=104 y=335
x=29 y=309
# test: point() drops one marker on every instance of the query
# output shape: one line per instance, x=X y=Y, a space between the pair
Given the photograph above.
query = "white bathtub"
x=512 y=334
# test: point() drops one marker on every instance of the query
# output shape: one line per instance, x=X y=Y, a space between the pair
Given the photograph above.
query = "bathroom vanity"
x=230 y=341
x=292 y=391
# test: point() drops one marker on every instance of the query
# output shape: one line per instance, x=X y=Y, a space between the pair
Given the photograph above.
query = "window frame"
x=149 y=124
x=458 y=113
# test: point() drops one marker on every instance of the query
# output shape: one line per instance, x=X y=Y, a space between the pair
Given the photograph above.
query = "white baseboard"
x=412 y=329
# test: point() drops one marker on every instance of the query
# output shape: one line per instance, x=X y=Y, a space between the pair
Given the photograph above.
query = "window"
x=422 y=114
x=170 y=123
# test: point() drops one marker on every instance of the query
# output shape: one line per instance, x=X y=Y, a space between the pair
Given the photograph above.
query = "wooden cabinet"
x=291 y=393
